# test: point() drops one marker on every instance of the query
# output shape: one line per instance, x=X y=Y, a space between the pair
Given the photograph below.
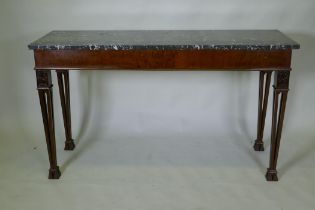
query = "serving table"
x=265 y=51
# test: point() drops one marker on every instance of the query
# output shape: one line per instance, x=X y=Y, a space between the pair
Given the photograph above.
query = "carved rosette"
x=43 y=79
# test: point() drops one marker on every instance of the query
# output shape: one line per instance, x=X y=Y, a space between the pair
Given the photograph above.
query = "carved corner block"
x=282 y=80
x=43 y=79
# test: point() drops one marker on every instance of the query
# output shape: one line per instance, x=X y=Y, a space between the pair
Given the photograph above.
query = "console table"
x=265 y=51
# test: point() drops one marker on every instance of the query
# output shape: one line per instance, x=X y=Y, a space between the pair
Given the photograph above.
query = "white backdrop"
x=141 y=114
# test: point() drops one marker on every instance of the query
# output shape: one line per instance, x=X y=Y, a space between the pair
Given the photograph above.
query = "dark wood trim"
x=164 y=59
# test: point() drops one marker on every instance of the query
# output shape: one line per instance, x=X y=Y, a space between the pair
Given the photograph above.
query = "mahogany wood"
x=265 y=61
x=45 y=93
x=163 y=59
x=281 y=88
x=264 y=86
x=64 y=92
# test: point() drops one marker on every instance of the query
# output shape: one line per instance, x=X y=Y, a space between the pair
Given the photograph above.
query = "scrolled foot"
x=69 y=145
x=54 y=173
x=271 y=175
x=259 y=146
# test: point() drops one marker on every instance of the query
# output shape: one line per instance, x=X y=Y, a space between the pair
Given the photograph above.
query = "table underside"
x=163 y=59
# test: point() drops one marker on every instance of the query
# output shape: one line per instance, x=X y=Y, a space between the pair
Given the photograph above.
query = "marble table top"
x=165 y=40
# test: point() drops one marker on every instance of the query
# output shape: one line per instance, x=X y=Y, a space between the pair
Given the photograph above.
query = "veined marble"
x=165 y=40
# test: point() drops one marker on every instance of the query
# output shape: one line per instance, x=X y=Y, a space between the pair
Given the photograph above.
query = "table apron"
x=163 y=59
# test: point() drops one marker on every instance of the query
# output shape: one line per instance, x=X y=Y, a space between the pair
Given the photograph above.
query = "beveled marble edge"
x=163 y=47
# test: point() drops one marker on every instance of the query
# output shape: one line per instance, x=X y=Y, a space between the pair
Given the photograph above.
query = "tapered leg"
x=264 y=86
x=281 y=88
x=64 y=92
x=44 y=87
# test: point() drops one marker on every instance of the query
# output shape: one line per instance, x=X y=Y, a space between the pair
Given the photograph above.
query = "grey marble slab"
x=165 y=40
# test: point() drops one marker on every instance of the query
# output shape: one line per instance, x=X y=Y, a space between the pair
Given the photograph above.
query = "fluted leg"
x=264 y=86
x=281 y=88
x=44 y=87
x=64 y=92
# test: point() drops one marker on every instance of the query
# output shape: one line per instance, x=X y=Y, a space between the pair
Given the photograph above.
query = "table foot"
x=271 y=175
x=54 y=173
x=69 y=145
x=259 y=146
